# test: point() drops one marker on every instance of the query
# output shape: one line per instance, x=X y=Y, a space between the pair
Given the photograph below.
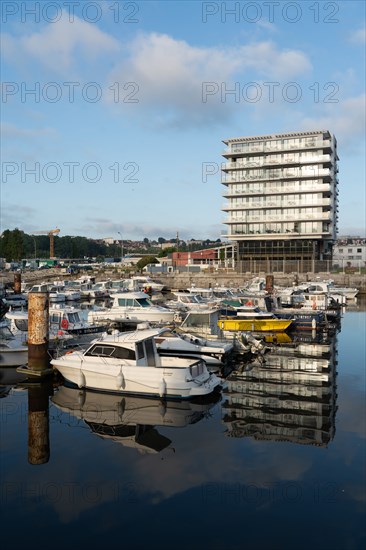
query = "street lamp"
x=35 y=248
x=121 y=247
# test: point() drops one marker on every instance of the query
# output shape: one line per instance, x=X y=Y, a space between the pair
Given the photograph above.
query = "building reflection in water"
x=290 y=397
x=131 y=420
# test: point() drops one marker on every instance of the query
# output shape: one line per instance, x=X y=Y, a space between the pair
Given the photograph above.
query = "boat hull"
x=254 y=325
x=164 y=382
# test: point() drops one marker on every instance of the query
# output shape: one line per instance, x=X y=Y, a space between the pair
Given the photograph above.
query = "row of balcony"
x=273 y=204
x=270 y=175
x=258 y=147
x=267 y=161
x=276 y=190
x=289 y=218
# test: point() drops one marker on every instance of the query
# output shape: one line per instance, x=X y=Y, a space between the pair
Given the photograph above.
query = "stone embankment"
x=206 y=280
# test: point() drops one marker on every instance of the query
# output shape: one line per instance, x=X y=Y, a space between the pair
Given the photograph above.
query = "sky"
x=113 y=113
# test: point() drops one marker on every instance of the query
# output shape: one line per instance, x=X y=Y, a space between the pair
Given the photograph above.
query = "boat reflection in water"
x=290 y=397
x=131 y=420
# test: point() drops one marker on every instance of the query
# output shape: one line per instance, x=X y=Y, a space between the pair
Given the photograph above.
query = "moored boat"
x=129 y=363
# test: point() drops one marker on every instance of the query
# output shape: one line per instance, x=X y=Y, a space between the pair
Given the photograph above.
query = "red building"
x=206 y=256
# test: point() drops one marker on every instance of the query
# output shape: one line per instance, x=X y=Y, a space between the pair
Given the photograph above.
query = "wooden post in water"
x=38 y=330
x=38 y=424
x=17 y=283
x=269 y=283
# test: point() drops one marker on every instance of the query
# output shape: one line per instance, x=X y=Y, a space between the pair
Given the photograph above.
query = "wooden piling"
x=269 y=283
x=17 y=283
x=38 y=424
x=38 y=331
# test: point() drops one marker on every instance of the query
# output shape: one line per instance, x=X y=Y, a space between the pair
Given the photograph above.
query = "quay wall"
x=184 y=280
x=181 y=281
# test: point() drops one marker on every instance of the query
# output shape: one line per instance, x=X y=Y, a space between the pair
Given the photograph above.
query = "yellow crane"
x=51 y=233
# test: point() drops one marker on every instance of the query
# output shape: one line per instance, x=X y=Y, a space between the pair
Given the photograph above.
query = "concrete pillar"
x=269 y=283
x=17 y=283
x=38 y=424
x=38 y=331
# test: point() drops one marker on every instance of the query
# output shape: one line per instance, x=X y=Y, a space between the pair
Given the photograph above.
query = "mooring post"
x=38 y=424
x=269 y=283
x=38 y=332
x=17 y=283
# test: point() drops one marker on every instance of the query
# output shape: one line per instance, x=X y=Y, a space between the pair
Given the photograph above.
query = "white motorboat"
x=72 y=320
x=13 y=350
x=131 y=420
x=140 y=282
x=133 y=305
x=18 y=325
x=214 y=352
x=186 y=301
x=129 y=363
x=15 y=300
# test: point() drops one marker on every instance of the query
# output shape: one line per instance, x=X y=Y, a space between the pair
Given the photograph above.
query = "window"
x=112 y=351
x=21 y=324
x=140 y=350
x=150 y=352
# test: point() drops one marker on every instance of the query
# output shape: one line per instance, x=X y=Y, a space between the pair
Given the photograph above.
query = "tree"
x=145 y=261
x=161 y=240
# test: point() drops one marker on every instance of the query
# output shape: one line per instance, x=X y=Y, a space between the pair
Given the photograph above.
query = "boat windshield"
x=5 y=333
x=21 y=324
x=143 y=302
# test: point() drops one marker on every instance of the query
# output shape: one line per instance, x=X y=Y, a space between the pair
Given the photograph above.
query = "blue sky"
x=131 y=101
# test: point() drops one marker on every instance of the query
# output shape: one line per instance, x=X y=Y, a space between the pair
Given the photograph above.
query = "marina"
x=285 y=437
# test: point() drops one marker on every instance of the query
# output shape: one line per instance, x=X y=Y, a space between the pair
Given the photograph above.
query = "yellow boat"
x=254 y=325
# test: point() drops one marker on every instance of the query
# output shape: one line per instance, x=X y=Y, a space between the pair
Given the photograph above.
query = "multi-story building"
x=282 y=196
x=350 y=252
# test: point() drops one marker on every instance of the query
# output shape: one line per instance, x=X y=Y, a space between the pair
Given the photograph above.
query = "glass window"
x=150 y=352
x=140 y=350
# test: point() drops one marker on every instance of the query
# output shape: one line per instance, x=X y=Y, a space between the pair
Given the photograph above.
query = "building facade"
x=282 y=197
x=350 y=252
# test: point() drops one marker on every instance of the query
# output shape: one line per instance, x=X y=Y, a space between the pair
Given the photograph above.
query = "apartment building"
x=282 y=197
x=350 y=252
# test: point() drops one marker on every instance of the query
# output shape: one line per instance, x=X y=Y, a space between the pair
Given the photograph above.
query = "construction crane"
x=51 y=233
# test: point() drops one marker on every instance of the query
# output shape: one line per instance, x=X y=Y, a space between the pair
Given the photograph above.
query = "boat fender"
x=120 y=380
x=313 y=324
x=162 y=387
x=65 y=324
x=81 y=382
x=314 y=305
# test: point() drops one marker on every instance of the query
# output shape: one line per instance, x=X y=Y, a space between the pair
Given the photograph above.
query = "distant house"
x=350 y=252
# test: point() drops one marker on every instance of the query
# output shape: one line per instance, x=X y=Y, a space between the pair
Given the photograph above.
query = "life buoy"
x=65 y=324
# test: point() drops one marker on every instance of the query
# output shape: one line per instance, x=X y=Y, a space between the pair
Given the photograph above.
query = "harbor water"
x=276 y=462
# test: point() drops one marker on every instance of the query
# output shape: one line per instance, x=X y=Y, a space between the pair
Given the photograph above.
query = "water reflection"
x=131 y=420
x=290 y=397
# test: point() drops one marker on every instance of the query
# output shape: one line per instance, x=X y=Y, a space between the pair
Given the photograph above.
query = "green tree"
x=145 y=261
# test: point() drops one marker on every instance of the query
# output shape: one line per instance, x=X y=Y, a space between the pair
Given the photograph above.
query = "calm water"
x=279 y=462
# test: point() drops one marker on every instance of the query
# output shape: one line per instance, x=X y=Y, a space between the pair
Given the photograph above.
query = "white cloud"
x=171 y=74
x=56 y=45
x=359 y=36
x=345 y=119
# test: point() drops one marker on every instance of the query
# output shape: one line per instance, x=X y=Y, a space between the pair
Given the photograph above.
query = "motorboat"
x=141 y=282
x=133 y=305
x=213 y=352
x=72 y=320
x=131 y=420
x=128 y=362
x=17 y=322
x=13 y=350
x=15 y=300
x=251 y=318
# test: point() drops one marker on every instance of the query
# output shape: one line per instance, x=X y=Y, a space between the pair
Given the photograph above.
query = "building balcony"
x=286 y=160
x=260 y=236
x=258 y=148
x=286 y=174
x=260 y=190
x=303 y=217
x=263 y=205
